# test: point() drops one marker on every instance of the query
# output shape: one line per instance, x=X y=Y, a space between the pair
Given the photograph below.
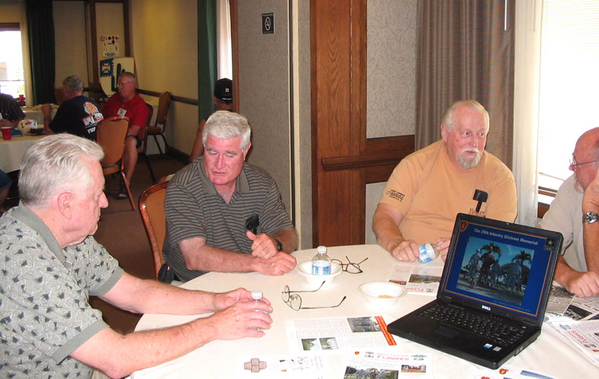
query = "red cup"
x=6 y=133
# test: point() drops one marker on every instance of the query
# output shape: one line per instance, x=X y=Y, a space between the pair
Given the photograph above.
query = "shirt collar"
x=25 y=215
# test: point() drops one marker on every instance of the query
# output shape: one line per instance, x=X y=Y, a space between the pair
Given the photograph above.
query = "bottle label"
x=427 y=253
x=321 y=268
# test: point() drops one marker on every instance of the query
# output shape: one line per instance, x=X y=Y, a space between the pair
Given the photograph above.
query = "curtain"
x=223 y=38
x=207 y=68
x=466 y=51
x=40 y=24
x=526 y=106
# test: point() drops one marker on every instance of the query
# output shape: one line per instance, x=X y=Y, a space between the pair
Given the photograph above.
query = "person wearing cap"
x=78 y=115
x=223 y=214
x=223 y=100
x=127 y=103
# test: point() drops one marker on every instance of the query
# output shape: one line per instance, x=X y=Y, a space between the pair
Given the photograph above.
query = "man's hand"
x=443 y=247
x=582 y=284
x=263 y=245
x=243 y=319
x=280 y=264
x=227 y=299
x=404 y=250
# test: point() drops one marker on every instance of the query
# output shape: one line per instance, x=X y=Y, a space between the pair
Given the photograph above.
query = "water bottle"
x=321 y=263
x=428 y=252
x=257 y=296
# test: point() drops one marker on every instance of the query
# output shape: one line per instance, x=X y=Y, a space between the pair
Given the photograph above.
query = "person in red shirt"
x=128 y=103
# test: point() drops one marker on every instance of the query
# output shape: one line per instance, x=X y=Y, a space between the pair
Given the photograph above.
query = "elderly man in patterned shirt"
x=50 y=264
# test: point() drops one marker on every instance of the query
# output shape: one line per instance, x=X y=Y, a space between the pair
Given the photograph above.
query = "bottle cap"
x=257 y=295
x=321 y=249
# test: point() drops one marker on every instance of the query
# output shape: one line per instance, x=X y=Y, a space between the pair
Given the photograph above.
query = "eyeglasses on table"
x=350 y=267
x=294 y=301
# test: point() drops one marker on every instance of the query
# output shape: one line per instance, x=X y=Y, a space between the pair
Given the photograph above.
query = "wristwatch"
x=280 y=245
x=590 y=217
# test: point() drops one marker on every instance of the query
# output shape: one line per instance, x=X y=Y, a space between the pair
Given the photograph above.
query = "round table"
x=12 y=151
x=550 y=354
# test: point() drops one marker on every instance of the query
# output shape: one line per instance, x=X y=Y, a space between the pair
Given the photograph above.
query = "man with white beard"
x=429 y=187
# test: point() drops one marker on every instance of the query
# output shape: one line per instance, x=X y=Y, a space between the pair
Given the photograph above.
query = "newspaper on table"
x=576 y=318
x=329 y=334
x=420 y=279
x=382 y=364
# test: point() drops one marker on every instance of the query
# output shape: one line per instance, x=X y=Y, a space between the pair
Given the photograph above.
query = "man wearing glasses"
x=127 y=103
x=574 y=213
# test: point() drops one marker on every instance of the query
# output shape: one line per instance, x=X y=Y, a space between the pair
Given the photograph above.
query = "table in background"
x=35 y=113
x=12 y=151
x=550 y=354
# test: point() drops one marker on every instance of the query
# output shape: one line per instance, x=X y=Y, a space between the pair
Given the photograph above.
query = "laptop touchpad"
x=446 y=332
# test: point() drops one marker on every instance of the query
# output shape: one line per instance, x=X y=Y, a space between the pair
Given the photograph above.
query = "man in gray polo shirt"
x=50 y=264
x=210 y=202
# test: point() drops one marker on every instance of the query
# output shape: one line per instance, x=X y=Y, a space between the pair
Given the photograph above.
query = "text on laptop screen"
x=503 y=268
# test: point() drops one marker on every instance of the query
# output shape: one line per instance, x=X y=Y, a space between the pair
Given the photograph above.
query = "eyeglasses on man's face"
x=574 y=164
x=294 y=301
x=350 y=267
x=122 y=84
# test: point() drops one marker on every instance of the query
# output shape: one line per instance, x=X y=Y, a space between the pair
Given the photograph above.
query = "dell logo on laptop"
x=486 y=307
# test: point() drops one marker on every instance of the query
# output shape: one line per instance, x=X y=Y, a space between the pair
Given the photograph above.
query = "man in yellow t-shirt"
x=430 y=186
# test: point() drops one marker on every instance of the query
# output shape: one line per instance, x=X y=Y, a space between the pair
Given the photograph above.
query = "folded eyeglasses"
x=294 y=301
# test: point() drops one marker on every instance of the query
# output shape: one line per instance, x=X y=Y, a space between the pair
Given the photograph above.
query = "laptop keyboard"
x=492 y=327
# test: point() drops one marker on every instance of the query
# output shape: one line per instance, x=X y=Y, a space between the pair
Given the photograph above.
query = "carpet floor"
x=121 y=231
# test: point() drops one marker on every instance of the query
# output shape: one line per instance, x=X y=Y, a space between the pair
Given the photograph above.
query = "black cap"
x=223 y=89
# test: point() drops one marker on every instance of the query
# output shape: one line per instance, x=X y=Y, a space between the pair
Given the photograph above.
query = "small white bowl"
x=305 y=270
x=382 y=293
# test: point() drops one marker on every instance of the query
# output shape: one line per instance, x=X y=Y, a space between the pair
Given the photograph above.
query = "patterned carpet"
x=122 y=233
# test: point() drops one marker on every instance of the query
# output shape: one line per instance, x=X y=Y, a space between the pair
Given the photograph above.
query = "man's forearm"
x=288 y=238
x=591 y=245
x=209 y=258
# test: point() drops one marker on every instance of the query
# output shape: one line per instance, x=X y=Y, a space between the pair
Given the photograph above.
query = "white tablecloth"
x=549 y=354
x=12 y=151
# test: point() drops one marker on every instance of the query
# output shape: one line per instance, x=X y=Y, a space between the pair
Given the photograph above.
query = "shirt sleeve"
x=180 y=207
x=273 y=216
x=139 y=114
x=503 y=200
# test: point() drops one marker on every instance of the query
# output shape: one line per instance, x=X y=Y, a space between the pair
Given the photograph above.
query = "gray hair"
x=226 y=125
x=448 y=117
x=73 y=83
x=55 y=163
x=129 y=75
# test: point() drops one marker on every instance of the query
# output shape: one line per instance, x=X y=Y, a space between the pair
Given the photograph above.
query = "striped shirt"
x=195 y=209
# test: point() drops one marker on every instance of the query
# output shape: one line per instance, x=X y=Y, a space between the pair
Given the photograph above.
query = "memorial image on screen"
x=495 y=270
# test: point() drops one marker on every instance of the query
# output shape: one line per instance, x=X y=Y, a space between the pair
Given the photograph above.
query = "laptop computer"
x=495 y=272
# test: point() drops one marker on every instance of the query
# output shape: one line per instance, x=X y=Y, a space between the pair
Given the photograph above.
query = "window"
x=569 y=78
x=12 y=79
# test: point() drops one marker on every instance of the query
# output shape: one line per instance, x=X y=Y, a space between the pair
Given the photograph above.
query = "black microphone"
x=481 y=197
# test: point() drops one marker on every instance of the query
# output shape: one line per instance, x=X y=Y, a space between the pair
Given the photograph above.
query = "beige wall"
x=10 y=11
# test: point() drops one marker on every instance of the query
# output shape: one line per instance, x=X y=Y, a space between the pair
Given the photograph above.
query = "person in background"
x=10 y=113
x=223 y=214
x=128 y=103
x=574 y=213
x=223 y=100
x=5 y=183
x=51 y=264
x=429 y=187
x=78 y=115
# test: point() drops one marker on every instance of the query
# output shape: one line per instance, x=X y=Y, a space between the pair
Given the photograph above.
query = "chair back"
x=164 y=102
x=144 y=140
x=110 y=134
x=151 y=208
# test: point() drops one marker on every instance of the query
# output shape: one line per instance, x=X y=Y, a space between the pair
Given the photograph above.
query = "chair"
x=110 y=135
x=151 y=208
x=142 y=150
x=159 y=128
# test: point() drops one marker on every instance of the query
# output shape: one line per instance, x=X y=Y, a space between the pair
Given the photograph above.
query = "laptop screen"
x=504 y=267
